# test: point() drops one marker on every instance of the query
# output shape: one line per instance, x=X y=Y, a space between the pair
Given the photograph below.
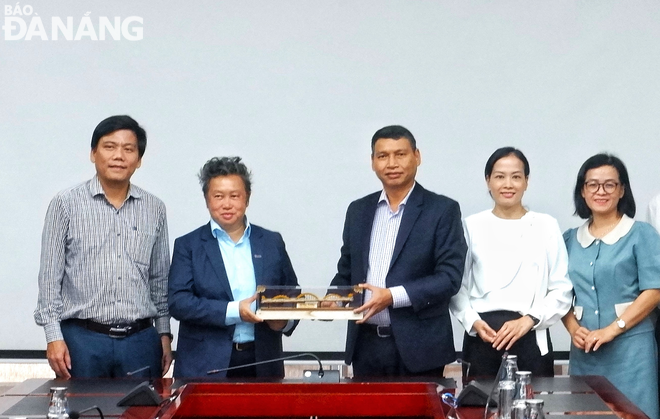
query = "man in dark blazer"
x=405 y=247
x=213 y=277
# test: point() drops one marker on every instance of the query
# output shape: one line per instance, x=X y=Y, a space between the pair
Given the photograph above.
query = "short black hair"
x=116 y=123
x=504 y=152
x=626 y=204
x=395 y=132
x=225 y=166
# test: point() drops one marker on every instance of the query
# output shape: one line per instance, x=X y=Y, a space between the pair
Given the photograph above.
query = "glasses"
x=593 y=186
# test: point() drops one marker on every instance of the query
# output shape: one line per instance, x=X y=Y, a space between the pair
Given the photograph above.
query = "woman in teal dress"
x=614 y=264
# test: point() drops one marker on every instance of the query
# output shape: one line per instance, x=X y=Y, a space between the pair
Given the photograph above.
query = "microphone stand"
x=320 y=376
x=497 y=380
x=76 y=414
x=144 y=394
x=130 y=373
x=465 y=373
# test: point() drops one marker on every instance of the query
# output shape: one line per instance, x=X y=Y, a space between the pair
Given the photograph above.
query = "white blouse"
x=517 y=265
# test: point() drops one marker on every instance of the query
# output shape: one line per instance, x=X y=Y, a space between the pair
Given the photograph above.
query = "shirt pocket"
x=577 y=311
x=621 y=307
x=141 y=247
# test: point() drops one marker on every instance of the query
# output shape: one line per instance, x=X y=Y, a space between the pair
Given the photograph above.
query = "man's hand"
x=58 y=358
x=381 y=298
x=277 y=325
x=485 y=332
x=245 y=310
x=511 y=331
x=166 y=362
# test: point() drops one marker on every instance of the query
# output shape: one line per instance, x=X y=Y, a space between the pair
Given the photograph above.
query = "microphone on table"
x=309 y=376
x=465 y=373
x=144 y=394
x=139 y=370
x=505 y=355
x=471 y=394
x=75 y=414
x=147 y=368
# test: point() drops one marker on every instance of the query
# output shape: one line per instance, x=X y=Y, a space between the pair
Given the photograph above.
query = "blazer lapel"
x=215 y=258
x=366 y=225
x=257 y=248
x=410 y=214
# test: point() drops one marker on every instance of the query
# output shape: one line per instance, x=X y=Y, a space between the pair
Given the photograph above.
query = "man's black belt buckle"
x=117 y=332
x=384 y=331
x=243 y=346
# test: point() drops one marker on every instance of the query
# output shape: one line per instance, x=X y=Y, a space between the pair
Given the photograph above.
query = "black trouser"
x=485 y=360
x=377 y=356
x=242 y=357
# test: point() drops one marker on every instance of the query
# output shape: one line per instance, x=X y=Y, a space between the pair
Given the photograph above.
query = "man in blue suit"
x=405 y=246
x=213 y=277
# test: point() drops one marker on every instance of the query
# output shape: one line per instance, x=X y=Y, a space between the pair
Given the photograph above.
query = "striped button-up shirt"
x=384 y=231
x=101 y=263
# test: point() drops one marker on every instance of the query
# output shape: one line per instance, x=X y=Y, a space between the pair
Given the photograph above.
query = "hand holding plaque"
x=297 y=303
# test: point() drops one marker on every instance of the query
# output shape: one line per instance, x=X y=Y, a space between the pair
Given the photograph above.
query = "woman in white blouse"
x=515 y=284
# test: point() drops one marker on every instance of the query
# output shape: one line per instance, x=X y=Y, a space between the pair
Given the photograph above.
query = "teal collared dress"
x=608 y=275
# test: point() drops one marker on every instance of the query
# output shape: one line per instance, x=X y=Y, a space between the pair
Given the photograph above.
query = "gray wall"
x=297 y=88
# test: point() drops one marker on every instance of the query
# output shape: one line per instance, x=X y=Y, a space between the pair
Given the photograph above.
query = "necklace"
x=600 y=232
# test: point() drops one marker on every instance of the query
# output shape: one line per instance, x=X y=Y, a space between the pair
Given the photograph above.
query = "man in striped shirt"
x=405 y=246
x=104 y=266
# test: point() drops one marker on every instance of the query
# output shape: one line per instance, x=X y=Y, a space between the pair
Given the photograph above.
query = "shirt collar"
x=585 y=238
x=219 y=232
x=383 y=198
x=96 y=189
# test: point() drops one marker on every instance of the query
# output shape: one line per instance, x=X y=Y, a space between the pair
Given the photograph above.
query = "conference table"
x=564 y=397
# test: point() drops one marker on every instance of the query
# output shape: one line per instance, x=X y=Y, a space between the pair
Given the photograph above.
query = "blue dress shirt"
x=237 y=258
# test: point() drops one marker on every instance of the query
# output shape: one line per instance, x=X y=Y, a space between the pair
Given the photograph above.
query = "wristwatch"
x=534 y=319
x=621 y=323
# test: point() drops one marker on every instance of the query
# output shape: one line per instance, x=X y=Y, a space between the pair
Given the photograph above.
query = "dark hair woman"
x=614 y=264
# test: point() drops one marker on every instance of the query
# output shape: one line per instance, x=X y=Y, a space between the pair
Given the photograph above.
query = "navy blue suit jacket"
x=199 y=291
x=428 y=261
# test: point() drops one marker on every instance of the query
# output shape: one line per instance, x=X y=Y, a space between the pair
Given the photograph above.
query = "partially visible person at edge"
x=404 y=245
x=104 y=264
x=653 y=218
x=515 y=285
x=653 y=212
x=213 y=281
x=614 y=264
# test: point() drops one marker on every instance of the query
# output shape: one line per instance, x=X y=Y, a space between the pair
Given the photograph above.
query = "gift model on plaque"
x=298 y=303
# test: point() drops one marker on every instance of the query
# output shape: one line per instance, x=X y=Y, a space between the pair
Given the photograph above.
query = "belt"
x=381 y=331
x=243 y=346
x=114 y=331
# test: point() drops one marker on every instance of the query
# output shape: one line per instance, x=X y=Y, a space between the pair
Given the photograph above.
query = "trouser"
x=377 y=356
x=242 y=354
x=485 y=360
x=96 y=355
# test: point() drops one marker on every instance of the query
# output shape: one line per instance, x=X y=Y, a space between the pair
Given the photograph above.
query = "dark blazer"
x=199 y=291
x=428 y=261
